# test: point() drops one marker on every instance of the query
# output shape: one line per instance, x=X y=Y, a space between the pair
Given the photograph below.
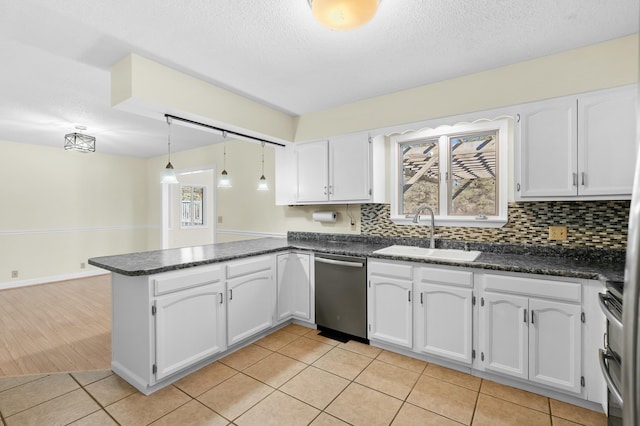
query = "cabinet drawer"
x=460 y=278
x=187 y=278
x=249 y=266
x=529 y=286
x=391 y=270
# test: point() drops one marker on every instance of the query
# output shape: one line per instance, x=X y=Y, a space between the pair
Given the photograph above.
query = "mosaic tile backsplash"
x=598 y=224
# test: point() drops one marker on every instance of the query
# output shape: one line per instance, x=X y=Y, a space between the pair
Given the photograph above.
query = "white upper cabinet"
x=312 y=166
x=607 y=142
x=343 y=169
x=577 y=147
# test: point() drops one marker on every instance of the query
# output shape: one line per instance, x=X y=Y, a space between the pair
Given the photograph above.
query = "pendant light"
x=343 y=15
x=169 y=175
x=224 y=181
x=262 y=183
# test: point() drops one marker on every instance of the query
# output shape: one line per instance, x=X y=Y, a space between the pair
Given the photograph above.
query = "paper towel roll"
x=325 y=216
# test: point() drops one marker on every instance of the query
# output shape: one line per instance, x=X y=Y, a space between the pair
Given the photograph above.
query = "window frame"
x=192 y=225
x=443 y=133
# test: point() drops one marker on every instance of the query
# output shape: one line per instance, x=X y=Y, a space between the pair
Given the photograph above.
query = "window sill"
x=490 y=222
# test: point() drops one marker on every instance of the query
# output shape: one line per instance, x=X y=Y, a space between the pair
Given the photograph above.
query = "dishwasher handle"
x=340 y=262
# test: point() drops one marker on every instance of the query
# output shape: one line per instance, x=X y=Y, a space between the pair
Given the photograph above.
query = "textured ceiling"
x=57 y=55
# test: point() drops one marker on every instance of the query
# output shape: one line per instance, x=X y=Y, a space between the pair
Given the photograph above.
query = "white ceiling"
x=56 y=55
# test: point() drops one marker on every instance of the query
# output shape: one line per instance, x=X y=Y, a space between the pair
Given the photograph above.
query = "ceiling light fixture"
x=343 y=15
x=224 y=181
x=169 y=175
x=262 y=183
x=79 y=142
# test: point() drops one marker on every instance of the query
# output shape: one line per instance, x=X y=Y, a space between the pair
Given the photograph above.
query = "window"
x=192 y=206
x=459 y=171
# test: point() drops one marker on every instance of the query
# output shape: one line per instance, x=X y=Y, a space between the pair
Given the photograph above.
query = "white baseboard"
x=50 y=279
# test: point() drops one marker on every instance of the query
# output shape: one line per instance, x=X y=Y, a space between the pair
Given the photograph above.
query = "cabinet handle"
x=583 y=178
x=421 y=301
x=532 y=320
x=518 y=187
x=409 y=295
x=575 y=179
x=221 y=298
x=230 y=294
x=525 y=315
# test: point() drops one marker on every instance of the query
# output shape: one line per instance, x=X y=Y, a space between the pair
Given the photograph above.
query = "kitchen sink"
x=427 y=253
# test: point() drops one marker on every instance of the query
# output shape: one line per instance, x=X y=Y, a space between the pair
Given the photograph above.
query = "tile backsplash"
x=601 y=224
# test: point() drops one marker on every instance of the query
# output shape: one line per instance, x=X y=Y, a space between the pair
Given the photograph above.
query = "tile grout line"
x=95 y=400
x=43 y=402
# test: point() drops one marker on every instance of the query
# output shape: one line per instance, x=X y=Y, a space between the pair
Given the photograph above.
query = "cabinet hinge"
x=370 y=191
x=517 y=118
x=370 y=139
x=473 y=300
x=482 y=301
x=153 y=309
x=583 y=317
x=482 y=356
x=473 y=354
x=154 y=369
x=369 y=327
x=582 y=381
x=369 y=283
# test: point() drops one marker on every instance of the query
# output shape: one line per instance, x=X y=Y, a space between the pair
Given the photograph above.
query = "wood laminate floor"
x=57 y=327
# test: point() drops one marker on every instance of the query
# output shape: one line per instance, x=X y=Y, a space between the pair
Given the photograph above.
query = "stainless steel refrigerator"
x=631 y=312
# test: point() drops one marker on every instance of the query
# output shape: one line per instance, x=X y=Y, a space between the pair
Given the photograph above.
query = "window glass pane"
x=472 y=186
x=197 y=206
x=419 y=176
x=185 y=206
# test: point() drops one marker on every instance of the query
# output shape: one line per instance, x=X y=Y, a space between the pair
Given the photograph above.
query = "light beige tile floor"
x=291 y=377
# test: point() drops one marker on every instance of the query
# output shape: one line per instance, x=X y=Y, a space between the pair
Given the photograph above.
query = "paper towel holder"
x=325 y=216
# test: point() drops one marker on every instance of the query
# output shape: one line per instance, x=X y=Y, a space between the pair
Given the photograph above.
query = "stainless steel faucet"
x=416 y=218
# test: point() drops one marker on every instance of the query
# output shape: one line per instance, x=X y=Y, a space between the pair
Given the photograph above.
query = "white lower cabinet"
x=251 y=297
x=532 y=338
x=444 y=325
x=389 y=306
x=190 y=326
x=295 y=287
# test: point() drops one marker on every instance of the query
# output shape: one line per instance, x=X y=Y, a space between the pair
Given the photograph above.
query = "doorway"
x=189 y=209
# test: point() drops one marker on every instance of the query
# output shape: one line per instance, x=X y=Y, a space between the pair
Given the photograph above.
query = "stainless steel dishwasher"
x=341 y=294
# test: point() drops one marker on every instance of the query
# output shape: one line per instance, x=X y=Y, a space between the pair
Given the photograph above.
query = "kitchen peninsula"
x=177 y=310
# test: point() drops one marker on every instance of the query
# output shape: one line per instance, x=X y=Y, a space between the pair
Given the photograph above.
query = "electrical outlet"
x=558 y=233
x=82 y=265
x=14 y=274
x=219 y=219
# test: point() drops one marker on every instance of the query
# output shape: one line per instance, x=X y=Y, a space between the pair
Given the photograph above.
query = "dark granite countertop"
x=596 y=264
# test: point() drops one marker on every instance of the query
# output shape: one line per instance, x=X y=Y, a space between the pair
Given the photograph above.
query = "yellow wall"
x=59 y=208
x=610 y=64
x=242 y=207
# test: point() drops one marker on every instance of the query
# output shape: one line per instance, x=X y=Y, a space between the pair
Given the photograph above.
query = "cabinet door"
x=312 y=168
x=390 y=311
x=444 y=321
x=294 y=286
x=607 y=142
x=190 y=326
x=547 y=157
x=349 y=168
x=250 y=305
x=503 y=323
x=555 y=344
